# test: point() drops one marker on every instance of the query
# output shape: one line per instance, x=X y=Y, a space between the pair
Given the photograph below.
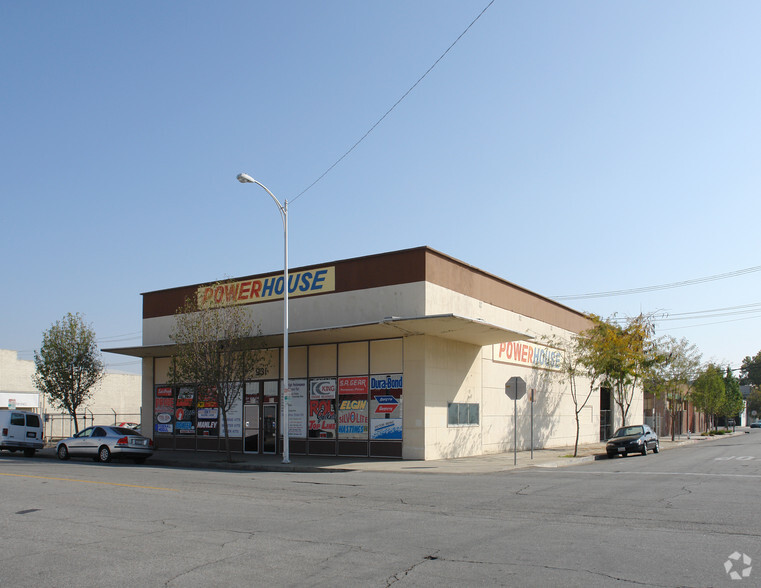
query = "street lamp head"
x=245 y=179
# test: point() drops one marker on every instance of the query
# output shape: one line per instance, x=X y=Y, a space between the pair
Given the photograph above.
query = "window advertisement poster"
x=207 y=413
x=386 y=407
x=234 y=417
x=297 y=409
x=252 y=393
x=163 y=411
x=386 y=429
x=322 y=408
x=185 y=413
x=353 y=422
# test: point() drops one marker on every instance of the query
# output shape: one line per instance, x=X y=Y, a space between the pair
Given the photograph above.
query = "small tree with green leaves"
x=622 y=356
x=572 y=368
x=215 y=351
x=68 y=365
x=709 y=392
x=733 y=398
x=671 y=378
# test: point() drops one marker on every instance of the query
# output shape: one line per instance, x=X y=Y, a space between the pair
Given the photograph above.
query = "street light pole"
x=283 y=208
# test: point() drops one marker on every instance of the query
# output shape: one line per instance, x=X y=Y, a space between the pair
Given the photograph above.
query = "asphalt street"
x=688 y=516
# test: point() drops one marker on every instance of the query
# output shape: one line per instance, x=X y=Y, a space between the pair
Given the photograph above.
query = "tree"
x=750 y=371
x=709 y=391
x=68 y=364
x=214 y=351
x=754 y=403
x=733 y=398
x=672 y=377
x=621 y=357
x=572 y=368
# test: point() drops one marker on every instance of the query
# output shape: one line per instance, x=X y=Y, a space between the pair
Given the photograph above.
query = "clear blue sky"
x=568 y=147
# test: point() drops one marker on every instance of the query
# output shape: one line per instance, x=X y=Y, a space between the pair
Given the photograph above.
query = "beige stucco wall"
x=315 y=312
x=117 y=396
x=438 y=372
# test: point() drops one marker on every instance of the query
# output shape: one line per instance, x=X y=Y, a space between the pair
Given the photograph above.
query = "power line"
x=755 y=305
x=713 y=323
x=663 y=315
x=380 y=120
x=660 y=286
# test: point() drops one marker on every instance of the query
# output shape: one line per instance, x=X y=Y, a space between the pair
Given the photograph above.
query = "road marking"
x=586 y=473
x=89 y=482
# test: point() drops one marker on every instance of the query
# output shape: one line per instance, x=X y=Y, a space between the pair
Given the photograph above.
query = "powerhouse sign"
x=314 y=281
x=528 y=355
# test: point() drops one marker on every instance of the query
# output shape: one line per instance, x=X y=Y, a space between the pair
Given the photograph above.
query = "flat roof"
x=420 y=264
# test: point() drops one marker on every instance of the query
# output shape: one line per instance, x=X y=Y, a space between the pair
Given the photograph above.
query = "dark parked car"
x=632 y=439
x=102 y=443
x=756 y=425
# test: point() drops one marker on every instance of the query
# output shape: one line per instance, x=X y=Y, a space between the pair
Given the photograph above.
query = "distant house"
x=117 y=398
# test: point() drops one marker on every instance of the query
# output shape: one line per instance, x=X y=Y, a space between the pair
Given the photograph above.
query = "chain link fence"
x=61 y=425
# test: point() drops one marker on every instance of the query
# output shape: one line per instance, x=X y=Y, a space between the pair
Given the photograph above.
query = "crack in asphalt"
x=393 y=579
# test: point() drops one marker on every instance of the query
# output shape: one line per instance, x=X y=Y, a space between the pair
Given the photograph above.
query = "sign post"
x=515 y=388
x=532 y=399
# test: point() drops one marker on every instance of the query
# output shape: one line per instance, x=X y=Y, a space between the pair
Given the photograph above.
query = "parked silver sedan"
x=101 y=443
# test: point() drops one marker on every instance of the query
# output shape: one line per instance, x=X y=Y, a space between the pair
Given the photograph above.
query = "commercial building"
x=116 y=398
x=402 y=354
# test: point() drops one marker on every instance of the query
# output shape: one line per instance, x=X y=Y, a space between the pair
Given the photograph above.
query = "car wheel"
x=104 y=454
x=29 y=452
x=644 y=449
x=657 y=447
x=63 y=452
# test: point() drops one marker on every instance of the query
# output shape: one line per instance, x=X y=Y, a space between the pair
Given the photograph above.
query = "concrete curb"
x=494 y=463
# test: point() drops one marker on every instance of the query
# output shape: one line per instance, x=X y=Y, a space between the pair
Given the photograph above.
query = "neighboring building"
x=688 y=421
x=116 y=398
x=402 y=354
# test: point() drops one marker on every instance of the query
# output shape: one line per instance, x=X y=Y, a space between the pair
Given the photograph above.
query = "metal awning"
x=447 y=326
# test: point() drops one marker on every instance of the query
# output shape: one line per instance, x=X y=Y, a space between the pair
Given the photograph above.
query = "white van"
x=21 y=430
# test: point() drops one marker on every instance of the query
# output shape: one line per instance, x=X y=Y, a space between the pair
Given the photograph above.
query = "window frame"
x=468 y=414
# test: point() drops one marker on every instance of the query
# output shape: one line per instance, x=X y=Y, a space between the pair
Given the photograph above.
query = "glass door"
x=269 y=428
x=251 y=434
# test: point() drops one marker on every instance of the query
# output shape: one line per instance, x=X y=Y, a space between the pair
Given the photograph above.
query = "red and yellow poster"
x=353 y=421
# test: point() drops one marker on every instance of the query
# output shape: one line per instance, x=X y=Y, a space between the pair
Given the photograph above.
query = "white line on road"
x=587 y=473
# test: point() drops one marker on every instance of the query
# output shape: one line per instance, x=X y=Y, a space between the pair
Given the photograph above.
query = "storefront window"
x=163 y=411
x=322 y=408
x=386 y=407
x=185 y=414
x=353 y=422
x=207 y=413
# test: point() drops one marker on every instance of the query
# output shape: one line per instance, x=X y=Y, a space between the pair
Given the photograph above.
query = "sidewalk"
x=545 y=458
